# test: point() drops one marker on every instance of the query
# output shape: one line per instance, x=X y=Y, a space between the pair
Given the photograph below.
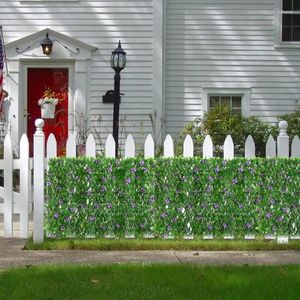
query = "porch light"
x=118 y=59
x=47 y=44
x=118 y=63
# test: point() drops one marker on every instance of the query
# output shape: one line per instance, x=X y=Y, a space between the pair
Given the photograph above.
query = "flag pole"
x=4 y=52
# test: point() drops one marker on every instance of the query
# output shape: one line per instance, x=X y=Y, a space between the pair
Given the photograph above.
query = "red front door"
x=55 y=79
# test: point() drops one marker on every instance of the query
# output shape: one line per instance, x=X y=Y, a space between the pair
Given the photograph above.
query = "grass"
x=159 y=244
x=129 y=281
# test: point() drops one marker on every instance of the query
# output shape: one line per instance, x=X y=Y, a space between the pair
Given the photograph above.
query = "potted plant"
x=48 y=103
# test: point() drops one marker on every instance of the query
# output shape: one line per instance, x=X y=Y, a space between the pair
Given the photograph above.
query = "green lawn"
x=158 y=244
x=142 y=282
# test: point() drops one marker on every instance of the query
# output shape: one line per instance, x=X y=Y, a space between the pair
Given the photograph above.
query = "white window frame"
x=278 y=30
x=245 y=93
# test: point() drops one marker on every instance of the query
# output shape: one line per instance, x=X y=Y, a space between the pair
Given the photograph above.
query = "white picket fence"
x=21 y=203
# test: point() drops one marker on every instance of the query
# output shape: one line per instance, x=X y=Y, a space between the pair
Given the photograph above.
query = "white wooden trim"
x=245 y=93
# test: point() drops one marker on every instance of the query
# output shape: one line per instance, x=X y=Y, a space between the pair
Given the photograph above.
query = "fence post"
x=283 y=140
x=38 y=181
x=8 y=187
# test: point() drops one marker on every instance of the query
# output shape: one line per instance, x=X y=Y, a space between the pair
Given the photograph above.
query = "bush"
x=218 y=123
x=173 y=196
x=293 y=120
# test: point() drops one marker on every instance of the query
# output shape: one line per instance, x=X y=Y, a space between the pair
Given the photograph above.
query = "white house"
x=183 y=58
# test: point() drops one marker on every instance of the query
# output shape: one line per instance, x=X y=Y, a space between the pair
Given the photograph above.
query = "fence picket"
x=228 y=148
x=8 y=187
x=149 y=147
x=283 y=140
x=295 y=147
x=168 y=147
x=129 y=146
x=249 y=147
x=25 y=183
x=188 y=147
x=71 y=146
x=110 y=147
x=51 y=146
x=270 y=147
x=208 y=147
x=90 y=148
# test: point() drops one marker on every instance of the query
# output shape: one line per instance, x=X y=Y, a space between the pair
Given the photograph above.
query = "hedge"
x=173 y=197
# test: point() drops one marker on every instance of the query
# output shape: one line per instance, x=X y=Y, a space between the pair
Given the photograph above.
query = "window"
x=290 y=21
x=233 y=101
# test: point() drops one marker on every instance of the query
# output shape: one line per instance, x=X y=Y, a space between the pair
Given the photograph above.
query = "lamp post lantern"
x=118 y=63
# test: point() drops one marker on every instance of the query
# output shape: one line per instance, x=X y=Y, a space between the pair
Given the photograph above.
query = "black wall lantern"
x=47 y=44
x=118 y=63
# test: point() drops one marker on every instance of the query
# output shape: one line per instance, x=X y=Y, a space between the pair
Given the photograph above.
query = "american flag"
x=2 y=93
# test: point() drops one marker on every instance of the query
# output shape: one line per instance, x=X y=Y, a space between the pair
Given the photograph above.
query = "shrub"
x=218 y=123
x=173 y=196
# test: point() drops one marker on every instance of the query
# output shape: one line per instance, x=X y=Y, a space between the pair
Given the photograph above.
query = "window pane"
x=286 y=20
x=287 y=5
x=225 y=100
x=214 y=101
x=296 y=5
x=236 y=101
x=236 y=111
x=295 y=20
x=286 y=34
x=296 y=34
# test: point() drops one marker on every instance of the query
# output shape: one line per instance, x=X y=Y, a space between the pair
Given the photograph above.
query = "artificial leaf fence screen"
x=173 y=197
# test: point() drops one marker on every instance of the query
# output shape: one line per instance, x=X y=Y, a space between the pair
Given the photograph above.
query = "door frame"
x=23 y=101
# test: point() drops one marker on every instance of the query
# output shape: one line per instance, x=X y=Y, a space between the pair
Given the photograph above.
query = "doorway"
x=55 y=81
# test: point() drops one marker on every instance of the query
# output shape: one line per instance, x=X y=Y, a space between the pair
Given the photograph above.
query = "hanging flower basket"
x=48 y=102
x=48 y=107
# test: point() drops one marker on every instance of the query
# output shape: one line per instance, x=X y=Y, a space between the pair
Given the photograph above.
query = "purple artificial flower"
x=109 y=205
x=62 y=228
x=174 y=220
x=209 y=227
x=109 y=169
x=142 y=225
x=56 y=215
x=279 y=219
x=67 y=219
x=61 y=202
x=152 y=200
x=209 y=189
x=145 y=170
x=103 y=189
x=189 y=206
x=248 y=225
x=216 y=206
x=234 y=181
x=104 y=179
x=272 y=201
x=241 y=170
x=167 y=200
x=210 y=178
x=241 y=206
x=268 y=215
x=163 y=215
x=133 y=170
x=224 y=225
x=217 y=169
x=96 y=205
x=142 y=163
x=117 y=225
x=127 y=181
x=169 y=227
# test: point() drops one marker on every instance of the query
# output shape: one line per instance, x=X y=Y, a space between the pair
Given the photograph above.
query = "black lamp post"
x=118 y=63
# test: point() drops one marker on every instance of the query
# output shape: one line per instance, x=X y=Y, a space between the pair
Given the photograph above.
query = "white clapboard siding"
x=295 y=151
x=208 y=147
x=149 y=151
x=25 y=186
x=188 y=147
x=249 y=147
x=71 y=146
x=228 y=148
x=129 y=146
x=168 y=147
x=110 y=147
x=90 y=150
x=270 y=147
x=8 y=187
x=224 y=47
